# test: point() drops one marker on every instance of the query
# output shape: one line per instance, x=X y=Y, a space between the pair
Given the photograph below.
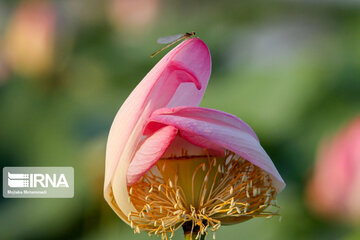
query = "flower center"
x=205 y=190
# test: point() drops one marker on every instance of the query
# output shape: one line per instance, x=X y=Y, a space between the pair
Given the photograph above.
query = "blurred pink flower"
x=170 y=163
x=29 y=39
x=133 y=15
x=334 y=190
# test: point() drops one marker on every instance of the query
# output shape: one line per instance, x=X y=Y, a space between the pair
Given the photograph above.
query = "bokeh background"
x=290 y=68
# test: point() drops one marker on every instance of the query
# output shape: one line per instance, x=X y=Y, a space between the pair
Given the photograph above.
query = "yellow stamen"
x=228 y=190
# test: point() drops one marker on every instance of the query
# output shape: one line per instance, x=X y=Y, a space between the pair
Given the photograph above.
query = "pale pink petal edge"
x=149 y=153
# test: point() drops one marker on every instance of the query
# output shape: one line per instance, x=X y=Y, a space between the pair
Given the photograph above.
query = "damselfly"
x=171 y=40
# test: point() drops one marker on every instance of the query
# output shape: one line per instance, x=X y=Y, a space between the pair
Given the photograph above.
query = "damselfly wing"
x=171 y=40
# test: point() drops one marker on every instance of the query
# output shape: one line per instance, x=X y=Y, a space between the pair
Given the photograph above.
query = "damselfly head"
x=190 y=34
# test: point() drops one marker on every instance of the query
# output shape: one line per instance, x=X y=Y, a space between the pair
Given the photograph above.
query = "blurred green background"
x=289 y=68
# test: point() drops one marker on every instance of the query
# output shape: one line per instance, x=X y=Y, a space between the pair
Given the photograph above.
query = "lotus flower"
x=334 y=190
x=133 y=16
x=30 y=38
x=170 y=163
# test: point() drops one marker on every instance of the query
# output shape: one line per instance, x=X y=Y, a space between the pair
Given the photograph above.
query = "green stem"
x=189 y=237
x=187 y=227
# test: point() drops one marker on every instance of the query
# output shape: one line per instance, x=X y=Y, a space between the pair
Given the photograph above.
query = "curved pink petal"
x=180 y=78
x=211 y=127
x=211 y=115
x=150 y=152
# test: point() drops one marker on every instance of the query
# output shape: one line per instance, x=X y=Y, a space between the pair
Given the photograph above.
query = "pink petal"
x=211 y=127
x=211 y=116
x=150 y=152
x=180 y=78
